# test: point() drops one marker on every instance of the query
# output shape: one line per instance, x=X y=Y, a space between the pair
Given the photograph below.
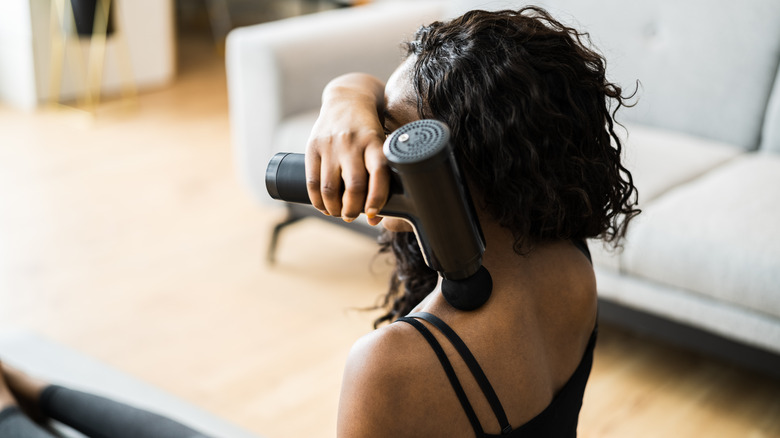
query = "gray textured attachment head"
x=416 y=142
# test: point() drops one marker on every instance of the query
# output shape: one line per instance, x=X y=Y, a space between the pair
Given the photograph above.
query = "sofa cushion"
x=717 y=236
x=661 y=159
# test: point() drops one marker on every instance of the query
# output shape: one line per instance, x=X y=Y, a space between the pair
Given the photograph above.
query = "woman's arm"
x=346 y=144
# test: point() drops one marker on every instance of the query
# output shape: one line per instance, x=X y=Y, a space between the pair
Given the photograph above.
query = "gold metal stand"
x=64 y=36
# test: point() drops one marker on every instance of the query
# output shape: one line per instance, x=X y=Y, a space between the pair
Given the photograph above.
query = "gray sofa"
x=703 y=141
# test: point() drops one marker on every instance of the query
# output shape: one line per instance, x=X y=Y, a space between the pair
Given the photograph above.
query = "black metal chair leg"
x=296 y=212
x=292 y=217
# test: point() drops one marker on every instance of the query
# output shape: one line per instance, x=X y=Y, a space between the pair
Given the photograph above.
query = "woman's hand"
x=346 y=145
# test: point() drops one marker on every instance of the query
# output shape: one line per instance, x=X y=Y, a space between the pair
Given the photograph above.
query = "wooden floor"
x=131 y=239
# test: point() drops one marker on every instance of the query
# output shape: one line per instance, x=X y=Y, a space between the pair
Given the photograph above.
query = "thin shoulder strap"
x=445 y=363
x=473 y=365
x=583 y=247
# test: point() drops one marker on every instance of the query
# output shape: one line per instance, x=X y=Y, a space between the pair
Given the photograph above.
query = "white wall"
x=17 y=69
x=25 y=41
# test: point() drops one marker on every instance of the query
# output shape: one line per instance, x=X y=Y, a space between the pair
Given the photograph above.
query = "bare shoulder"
x=568 y=304
x=380 y=390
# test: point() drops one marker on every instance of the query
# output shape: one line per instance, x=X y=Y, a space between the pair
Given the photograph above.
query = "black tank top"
x=558 y=419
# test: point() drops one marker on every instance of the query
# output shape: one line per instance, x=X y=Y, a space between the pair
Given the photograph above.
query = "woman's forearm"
x=355 y=87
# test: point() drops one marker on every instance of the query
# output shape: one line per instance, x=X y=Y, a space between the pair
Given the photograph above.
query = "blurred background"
x=127 y=235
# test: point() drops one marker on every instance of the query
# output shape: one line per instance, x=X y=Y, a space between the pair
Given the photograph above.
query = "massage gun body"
x=426 y=189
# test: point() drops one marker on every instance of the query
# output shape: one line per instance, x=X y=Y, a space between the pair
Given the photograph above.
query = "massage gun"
x=427 y=189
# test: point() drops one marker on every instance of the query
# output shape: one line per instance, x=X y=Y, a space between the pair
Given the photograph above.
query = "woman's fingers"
x=323 y=176
x=378 y=182
x=330 y=182
x=347 y=174
x=313 y=171
x=336 y=176
x=355 y=178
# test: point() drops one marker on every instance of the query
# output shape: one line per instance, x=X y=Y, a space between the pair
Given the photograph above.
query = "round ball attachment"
x=469 y=293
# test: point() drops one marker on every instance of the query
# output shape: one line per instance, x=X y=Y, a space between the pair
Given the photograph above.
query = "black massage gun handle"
x=286 y=170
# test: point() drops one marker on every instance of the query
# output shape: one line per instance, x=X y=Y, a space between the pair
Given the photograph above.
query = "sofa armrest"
x=278 y=69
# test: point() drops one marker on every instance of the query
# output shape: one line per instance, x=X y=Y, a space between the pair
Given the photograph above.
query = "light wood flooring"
x=130 y=239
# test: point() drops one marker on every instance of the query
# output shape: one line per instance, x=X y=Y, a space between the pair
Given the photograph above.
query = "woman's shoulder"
x=383 y=349
x=384 y=360
x=394 y=385
x=385 y=385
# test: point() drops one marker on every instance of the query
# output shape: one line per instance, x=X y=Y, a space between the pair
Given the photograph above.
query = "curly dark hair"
x=532 y=119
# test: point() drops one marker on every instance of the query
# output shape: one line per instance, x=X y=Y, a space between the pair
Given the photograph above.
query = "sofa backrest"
x=706 y=67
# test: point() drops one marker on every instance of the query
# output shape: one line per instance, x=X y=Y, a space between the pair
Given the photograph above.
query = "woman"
x=530 y=112
x=528 y=105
